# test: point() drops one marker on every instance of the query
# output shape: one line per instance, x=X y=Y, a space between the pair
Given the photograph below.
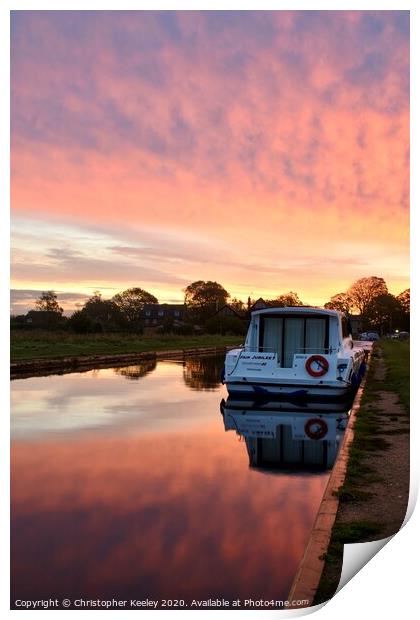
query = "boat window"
x=294 y=335
x=273 y=335
x=315 y=335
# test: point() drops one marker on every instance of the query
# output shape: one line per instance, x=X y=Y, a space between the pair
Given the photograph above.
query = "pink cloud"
x=290 y=130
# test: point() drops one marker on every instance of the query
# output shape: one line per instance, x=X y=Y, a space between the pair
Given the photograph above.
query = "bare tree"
x=48 y=302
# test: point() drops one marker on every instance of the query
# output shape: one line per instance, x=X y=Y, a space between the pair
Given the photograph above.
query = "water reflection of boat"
x=291 y=404
x=302 y=351
x=280 y=439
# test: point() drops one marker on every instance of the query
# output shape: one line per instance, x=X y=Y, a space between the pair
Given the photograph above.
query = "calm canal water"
x=128 y=483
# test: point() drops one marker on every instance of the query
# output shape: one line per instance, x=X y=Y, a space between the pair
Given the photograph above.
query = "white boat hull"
x=257 y=375
x=259 y=389
x=295 y=353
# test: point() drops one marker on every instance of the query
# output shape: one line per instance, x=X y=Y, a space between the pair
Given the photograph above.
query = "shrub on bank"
x=226 y=325
x=177 y=328
x=80 y=323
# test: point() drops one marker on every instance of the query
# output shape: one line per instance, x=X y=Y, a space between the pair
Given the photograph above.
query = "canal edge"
x=44 y=366
x=308 y=575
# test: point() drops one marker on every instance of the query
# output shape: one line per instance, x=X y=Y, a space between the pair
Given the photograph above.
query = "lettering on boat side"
x=258 y=357
x=256 y=363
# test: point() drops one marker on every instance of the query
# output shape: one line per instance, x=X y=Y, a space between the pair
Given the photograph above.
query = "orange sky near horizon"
x=266 y=150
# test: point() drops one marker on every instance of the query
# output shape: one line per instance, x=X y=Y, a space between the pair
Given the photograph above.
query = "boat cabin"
x=290 y=331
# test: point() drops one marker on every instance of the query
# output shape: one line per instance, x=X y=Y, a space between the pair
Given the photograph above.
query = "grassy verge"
x=26 y=345
x=397 y=357
x=360 y=474
x=342 y=534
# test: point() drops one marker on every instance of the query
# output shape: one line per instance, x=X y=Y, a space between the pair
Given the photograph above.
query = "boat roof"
x=296 y=310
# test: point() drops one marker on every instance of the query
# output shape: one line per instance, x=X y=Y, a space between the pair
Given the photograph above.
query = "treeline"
x=123 y=312
x=377 y=308
x=205 y=301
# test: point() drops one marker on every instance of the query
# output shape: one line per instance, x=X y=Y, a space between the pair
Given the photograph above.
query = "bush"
x=184 y=329
x=175 y=327
x=80 y=323
x=226 y=325
x=167 y=327
x=135 y=328
x=18 y=322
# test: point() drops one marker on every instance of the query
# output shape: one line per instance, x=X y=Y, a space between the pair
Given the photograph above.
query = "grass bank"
x=397 y=359
x=27 y=345
x=373 y=498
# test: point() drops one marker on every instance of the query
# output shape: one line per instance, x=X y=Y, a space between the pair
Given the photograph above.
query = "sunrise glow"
x=266 y=150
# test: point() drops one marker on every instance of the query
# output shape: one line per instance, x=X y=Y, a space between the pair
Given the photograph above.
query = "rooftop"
x=296 y=310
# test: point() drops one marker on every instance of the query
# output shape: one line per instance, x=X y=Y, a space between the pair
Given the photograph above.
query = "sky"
x=267 y=150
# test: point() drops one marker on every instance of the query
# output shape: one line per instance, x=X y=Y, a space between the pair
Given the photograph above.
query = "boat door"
x=290 y=335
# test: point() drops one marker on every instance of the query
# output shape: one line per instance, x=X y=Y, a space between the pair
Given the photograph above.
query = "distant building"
x=158 y=314
x=243 y=315
x=260 y=304
x=355 y=324
x=43 y=319
x=227 y=310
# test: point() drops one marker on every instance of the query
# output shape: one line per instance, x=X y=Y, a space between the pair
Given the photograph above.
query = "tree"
x=203 y=299
x=404 y=320
x=237 y=305
x=364 y=291
x=341 y=302
x=131 y=303
x=382 y=313
x=404 y=299
x=226 y=325
x=289 y=299
x=105 y=314
x=80 y=322
x=48 y=302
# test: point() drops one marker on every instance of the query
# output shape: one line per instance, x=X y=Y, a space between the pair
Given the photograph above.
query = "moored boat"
x=296 y=352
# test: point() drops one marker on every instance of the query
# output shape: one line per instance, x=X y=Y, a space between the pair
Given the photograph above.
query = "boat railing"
x=303 y=350
x=323 y=350
x=250 y=349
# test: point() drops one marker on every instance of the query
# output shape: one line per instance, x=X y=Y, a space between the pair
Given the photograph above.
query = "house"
x=257 y=305
x=245 y=314
x=227 y=310
x=43 y=319
x=158 y=314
